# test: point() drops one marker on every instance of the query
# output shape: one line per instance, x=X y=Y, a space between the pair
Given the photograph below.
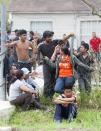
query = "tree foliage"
x=92 y=7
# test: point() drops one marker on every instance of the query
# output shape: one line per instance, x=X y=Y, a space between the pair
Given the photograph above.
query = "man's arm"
x=11 y=44
x=91 y=45
x=56 y=51
x=26 y=89
x=68 y=100
x=57 y=101
x=33 y=46
x=50 y=63
x=100 y=47
x=39 y=56
x=79 y=63
x=68 y=36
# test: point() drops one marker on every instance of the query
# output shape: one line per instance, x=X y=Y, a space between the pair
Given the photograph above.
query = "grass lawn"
x=88 y=119
x=42 y=121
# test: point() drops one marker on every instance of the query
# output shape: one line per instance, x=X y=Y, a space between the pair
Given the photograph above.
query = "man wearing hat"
x=28 y=81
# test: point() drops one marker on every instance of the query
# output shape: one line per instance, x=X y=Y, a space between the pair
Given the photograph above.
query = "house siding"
x=62 y=23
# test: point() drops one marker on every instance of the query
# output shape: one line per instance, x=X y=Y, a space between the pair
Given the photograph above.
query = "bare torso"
x=22 y=50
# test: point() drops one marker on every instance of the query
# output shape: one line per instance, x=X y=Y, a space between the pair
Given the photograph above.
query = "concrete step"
x=6 y=129
x=6 y=110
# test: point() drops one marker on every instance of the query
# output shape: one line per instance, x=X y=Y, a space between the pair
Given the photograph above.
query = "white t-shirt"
x=15 y=90
x=28 y=85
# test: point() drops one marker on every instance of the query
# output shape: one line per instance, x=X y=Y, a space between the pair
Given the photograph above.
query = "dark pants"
x=62 y=112
x=96 y=55
x=23 y=100
x=84 y=84
x=27 y=101
x=49 y=81
x=21 y=65
x=63 y=82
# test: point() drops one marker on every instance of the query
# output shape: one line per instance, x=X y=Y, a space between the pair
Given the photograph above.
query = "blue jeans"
x=63 y=82
x=62 y=112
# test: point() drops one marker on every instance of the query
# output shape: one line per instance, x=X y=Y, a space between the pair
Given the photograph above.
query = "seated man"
x=28 y=80
x=21 y=95
x=12 y=71
x=65 y=106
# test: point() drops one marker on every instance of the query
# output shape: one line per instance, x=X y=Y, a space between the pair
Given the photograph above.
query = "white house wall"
x=93 y=28
x=62 y=23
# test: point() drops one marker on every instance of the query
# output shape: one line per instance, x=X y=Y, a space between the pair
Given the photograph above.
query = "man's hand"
x=36 y=74
x=11 y=44
x=68 y=36
x=65 y=105
x=34 y=42
x=92 y=69
x=71 y=34
x=46 y=58
x=31 y=60
x=76 y=53
x=35 y=93
x=91 y=50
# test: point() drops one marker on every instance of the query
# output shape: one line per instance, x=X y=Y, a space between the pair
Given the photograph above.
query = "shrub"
x=92 y=100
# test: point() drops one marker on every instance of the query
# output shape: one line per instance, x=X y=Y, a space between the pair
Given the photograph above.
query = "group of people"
x=61 y=61
x=22 y=87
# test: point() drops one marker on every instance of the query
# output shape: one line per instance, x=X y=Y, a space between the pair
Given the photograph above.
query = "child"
x=65 y=106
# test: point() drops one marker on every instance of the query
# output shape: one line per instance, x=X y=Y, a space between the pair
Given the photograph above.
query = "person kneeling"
x=65 y=106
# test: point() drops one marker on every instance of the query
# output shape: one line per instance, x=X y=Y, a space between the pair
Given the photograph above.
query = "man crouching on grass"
x=65 y=106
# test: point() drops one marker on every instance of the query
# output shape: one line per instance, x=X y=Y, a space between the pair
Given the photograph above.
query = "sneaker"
x=48 y=110
x=57 y=121
x=70 y=118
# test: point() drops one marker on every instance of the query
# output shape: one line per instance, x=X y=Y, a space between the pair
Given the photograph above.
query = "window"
x=87 y=27
x=41 y=26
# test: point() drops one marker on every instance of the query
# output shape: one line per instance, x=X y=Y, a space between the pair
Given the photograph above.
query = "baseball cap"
x=25 y=71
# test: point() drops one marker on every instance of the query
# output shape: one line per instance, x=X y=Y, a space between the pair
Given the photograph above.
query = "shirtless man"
x=22 y=50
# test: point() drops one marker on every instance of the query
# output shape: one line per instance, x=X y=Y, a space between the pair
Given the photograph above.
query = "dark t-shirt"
x=87 y=61
x=48 y=49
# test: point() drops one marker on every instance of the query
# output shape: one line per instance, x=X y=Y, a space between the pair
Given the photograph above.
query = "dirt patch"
x=73 y=129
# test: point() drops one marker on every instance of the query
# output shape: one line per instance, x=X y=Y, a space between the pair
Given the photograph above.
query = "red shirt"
x=94 y=43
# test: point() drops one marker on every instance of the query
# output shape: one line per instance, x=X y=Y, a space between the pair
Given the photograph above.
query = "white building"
x=61 y=16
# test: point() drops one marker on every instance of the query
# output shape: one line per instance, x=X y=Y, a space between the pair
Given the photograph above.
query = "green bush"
x=92 y=100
